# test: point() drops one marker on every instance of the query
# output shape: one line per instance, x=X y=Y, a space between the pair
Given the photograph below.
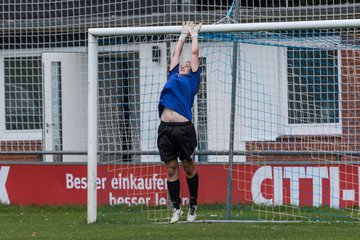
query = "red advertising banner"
x=332 y=185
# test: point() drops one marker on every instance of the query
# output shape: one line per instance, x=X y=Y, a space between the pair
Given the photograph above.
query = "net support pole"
x=232 y=117
x=92 y=129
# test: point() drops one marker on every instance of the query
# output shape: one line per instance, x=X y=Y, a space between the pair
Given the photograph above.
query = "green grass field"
x=70 y=223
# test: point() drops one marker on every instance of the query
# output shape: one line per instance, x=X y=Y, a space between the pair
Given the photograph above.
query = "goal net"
x=275 y=116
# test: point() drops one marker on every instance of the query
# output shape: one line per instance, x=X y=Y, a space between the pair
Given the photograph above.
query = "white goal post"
x=93 y=33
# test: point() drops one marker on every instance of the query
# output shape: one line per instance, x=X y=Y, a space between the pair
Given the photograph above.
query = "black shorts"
x=176 y=140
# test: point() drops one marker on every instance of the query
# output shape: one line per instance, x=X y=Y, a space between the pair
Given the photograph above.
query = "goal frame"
x=94 y=33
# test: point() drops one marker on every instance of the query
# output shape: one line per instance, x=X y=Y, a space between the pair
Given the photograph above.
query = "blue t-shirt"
x=179 y=92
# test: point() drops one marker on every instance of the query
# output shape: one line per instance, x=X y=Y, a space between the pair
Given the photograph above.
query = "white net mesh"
x=297 y=92
x=287 y=130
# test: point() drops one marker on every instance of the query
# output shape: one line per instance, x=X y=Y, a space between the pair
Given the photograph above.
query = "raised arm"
x=175 y=58
x=194 y=31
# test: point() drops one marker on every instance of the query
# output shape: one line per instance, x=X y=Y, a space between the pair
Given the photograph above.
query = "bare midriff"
x=169 y=115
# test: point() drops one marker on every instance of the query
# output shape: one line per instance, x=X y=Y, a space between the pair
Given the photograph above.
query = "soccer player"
x=176 y=133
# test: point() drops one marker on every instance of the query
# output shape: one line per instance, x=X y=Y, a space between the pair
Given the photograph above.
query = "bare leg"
x=172 y=170
x=189 y=168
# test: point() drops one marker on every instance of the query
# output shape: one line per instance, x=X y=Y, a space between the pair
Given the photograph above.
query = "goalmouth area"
x=233 y=52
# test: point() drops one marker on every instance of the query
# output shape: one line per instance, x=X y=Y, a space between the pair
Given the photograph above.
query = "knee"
x=171 y=172
x=189 y=169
